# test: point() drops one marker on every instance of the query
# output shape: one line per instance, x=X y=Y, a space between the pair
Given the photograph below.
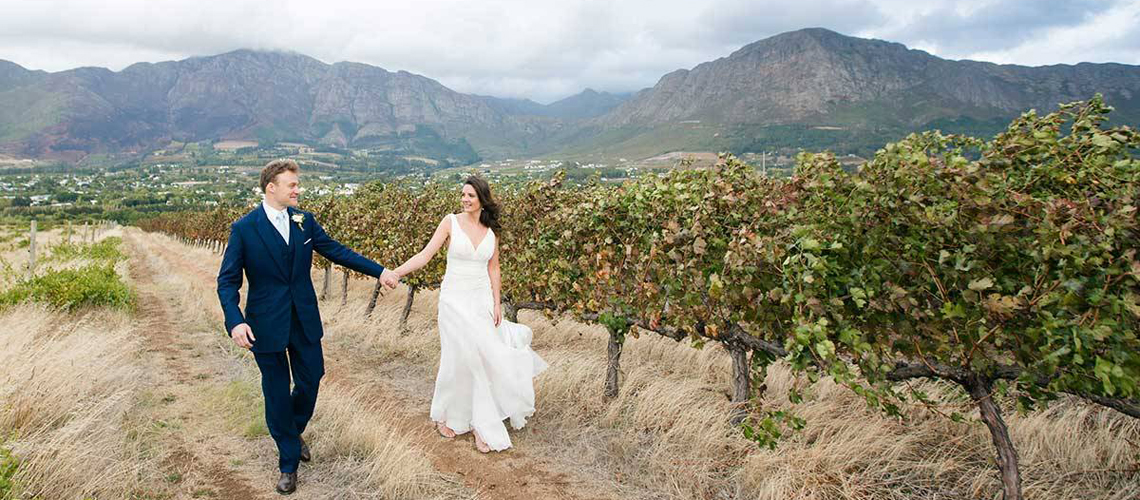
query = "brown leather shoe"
x=288 y=483
x=305 y=455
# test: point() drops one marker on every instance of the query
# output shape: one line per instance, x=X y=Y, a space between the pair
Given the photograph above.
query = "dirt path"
x=200 y=459
x=511 y=475
x=516 y=474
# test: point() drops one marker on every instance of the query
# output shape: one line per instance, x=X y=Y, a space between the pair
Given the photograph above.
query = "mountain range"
x=810 y=88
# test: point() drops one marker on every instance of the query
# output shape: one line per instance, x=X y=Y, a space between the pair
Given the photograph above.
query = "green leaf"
x=981 y=284
x=716 y=286
x=825 y=349
x=859 y=296
x=1103 y=141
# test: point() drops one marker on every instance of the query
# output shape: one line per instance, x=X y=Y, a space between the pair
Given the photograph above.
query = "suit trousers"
x=287 y=413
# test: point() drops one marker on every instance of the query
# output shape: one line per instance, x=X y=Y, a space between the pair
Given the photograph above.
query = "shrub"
x=92 y=285
x=8 y=465
x=106 y=249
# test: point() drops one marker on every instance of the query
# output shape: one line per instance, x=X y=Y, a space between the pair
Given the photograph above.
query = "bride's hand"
x=389 y=279
x=498 y=314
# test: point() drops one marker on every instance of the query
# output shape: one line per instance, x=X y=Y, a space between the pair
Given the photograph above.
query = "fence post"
x=328 y=281
x=344 y=288
x=375 y=296
x=32 y=251
x=510 y=312
x=407 y=309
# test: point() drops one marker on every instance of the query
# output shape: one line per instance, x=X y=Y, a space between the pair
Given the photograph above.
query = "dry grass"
x=370 y=456
x=89 y=415
x=197 y=304
x=69 y=386
x=362 y=454
x=666 y=434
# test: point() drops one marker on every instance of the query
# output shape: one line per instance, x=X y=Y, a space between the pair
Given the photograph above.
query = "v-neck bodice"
x=466 y=262
x=474 y=247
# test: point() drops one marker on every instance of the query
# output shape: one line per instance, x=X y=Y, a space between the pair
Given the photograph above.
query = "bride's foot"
x=444 y=430
x=480 y=445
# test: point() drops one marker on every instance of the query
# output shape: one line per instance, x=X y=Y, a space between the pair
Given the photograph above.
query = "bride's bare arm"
x=493 y=270
x=421 y=259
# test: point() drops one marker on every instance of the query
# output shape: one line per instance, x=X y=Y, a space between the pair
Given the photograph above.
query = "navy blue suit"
x=281 y=310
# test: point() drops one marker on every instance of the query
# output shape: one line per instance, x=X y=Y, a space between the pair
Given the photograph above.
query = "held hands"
x=389 y=279
x=243 y=336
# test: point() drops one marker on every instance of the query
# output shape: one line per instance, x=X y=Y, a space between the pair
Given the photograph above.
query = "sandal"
x=480 y=444
x=443 y=430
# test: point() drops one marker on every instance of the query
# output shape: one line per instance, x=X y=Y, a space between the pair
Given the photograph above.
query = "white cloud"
x=539 y=49
x=1107 y=37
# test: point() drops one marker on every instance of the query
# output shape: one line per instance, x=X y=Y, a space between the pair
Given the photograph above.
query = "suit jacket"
x=279 y=279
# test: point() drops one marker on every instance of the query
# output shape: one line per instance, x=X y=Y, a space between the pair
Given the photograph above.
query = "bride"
x=486 y=365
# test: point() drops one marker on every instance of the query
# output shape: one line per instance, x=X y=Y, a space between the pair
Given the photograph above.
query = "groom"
x=274 y=246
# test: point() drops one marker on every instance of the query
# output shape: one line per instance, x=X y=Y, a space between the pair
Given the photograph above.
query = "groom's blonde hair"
x=274 y=168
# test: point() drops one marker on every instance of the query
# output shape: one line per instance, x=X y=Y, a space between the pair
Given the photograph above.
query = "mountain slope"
x=811 y=88
x=587 y=104
x=265 y=96
x=815 y=87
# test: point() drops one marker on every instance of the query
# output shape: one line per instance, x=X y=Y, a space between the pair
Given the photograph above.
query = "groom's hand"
x=243 y=336
x=389 y=278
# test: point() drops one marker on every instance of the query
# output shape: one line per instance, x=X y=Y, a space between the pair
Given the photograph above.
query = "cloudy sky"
x=546 y=50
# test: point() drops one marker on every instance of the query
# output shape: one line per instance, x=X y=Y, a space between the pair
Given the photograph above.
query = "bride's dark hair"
x=490 y=215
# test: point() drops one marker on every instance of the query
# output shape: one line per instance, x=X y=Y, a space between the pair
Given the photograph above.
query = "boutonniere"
x=298 y=218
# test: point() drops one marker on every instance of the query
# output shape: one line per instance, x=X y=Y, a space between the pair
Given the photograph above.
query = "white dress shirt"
x=279 y=219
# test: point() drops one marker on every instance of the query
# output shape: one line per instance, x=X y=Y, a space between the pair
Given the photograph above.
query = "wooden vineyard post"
x=407 y=308
x=32 y=251
x=510 y=312
x=375 y=295
x=344 y=288
x=328 y=281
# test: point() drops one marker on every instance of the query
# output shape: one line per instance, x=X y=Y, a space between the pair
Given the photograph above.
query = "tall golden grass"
x=68 y=389
x=361 y=453
x=72 y=382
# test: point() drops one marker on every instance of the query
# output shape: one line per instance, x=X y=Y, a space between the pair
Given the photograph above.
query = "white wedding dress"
x=485 y=373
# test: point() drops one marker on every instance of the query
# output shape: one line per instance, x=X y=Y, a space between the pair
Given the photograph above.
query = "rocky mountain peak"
x=803 y=84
